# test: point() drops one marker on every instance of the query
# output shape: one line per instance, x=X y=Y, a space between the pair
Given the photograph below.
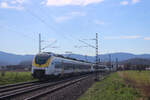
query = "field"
x=124 y=85
x=15 y=77
x=139 y=81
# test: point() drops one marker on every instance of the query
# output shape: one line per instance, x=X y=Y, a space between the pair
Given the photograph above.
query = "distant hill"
x=2 y=63
x=124 y=56
x=137 y=61
x=80 y=57
x=105 y=57
x=13 y=59
x=27 y=63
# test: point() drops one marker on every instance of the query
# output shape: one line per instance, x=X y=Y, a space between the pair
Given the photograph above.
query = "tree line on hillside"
x=135 y=64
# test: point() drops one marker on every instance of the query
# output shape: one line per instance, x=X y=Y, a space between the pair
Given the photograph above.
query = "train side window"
x=53 y=63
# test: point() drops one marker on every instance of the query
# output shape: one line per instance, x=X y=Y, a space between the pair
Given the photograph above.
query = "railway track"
x=32 y=91
x=54 y=89
x=17 y=86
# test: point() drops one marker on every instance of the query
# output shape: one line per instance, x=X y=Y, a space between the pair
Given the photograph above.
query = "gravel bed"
x=71 y=92
x=29 y=94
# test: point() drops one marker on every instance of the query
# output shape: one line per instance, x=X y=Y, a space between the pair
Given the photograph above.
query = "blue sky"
x=123 y=25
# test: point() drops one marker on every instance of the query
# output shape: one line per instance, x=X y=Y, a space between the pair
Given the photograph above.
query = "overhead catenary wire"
x=50 y=27
x=49 y=45
x=87 y=44
x=16 y=31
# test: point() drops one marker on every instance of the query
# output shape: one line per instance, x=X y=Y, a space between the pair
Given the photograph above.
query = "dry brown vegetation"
x=138 y=80
x=112 y=87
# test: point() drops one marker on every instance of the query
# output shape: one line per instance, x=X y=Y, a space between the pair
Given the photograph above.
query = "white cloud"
x=17 y=1
x=70 y=2
x=123 y=37
x=77 y=13
x=146 y=38
x=99 y=22
x=6 y=5
x=13 y=4
x=124 y=3
x=62 y=18
x=69 y=16
x=135 y=1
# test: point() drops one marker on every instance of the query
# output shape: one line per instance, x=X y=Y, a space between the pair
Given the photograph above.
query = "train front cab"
x=41 y=66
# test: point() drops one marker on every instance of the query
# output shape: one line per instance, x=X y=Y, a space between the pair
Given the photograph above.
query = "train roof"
x=61 y=56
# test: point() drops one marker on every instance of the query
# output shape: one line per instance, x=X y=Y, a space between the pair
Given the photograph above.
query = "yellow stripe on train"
x=42 y=65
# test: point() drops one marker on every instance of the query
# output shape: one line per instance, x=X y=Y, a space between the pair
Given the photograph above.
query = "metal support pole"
x=96 y=74
x=39 y=43
x=109 y=59
x=97 y=48
x=86 y=58
x=116 y=64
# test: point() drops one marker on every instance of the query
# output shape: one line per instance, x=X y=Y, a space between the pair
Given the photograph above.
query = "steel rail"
x=18 y=87
x=61 y=86
x=22 y=83
x=8 y=95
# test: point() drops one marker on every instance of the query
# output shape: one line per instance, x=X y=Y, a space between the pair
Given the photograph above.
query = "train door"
x=62 y=68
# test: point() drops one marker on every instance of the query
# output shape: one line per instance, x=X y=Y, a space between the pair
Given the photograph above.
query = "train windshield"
x=41 y=58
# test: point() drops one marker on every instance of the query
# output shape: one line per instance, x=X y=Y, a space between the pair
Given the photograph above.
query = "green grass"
x=142 y=77
x=15 y=77
x=139 y=80
x=111 y=88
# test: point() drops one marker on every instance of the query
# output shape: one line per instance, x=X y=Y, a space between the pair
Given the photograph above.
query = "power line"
x=50 y=45
x=43 y=21
x=39 y=43
x=22 y=34
x=87 y=44
x=40 y=19
x=76 y=46
x=96 y=53
x=97 y=60
x=47 y=25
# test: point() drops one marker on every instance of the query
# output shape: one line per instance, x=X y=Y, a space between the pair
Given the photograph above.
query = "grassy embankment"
x=139 y=81
x=15 y=77
x=128 y=85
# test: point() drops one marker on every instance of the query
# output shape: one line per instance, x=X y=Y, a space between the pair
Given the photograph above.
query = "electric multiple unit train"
x=48 y=65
